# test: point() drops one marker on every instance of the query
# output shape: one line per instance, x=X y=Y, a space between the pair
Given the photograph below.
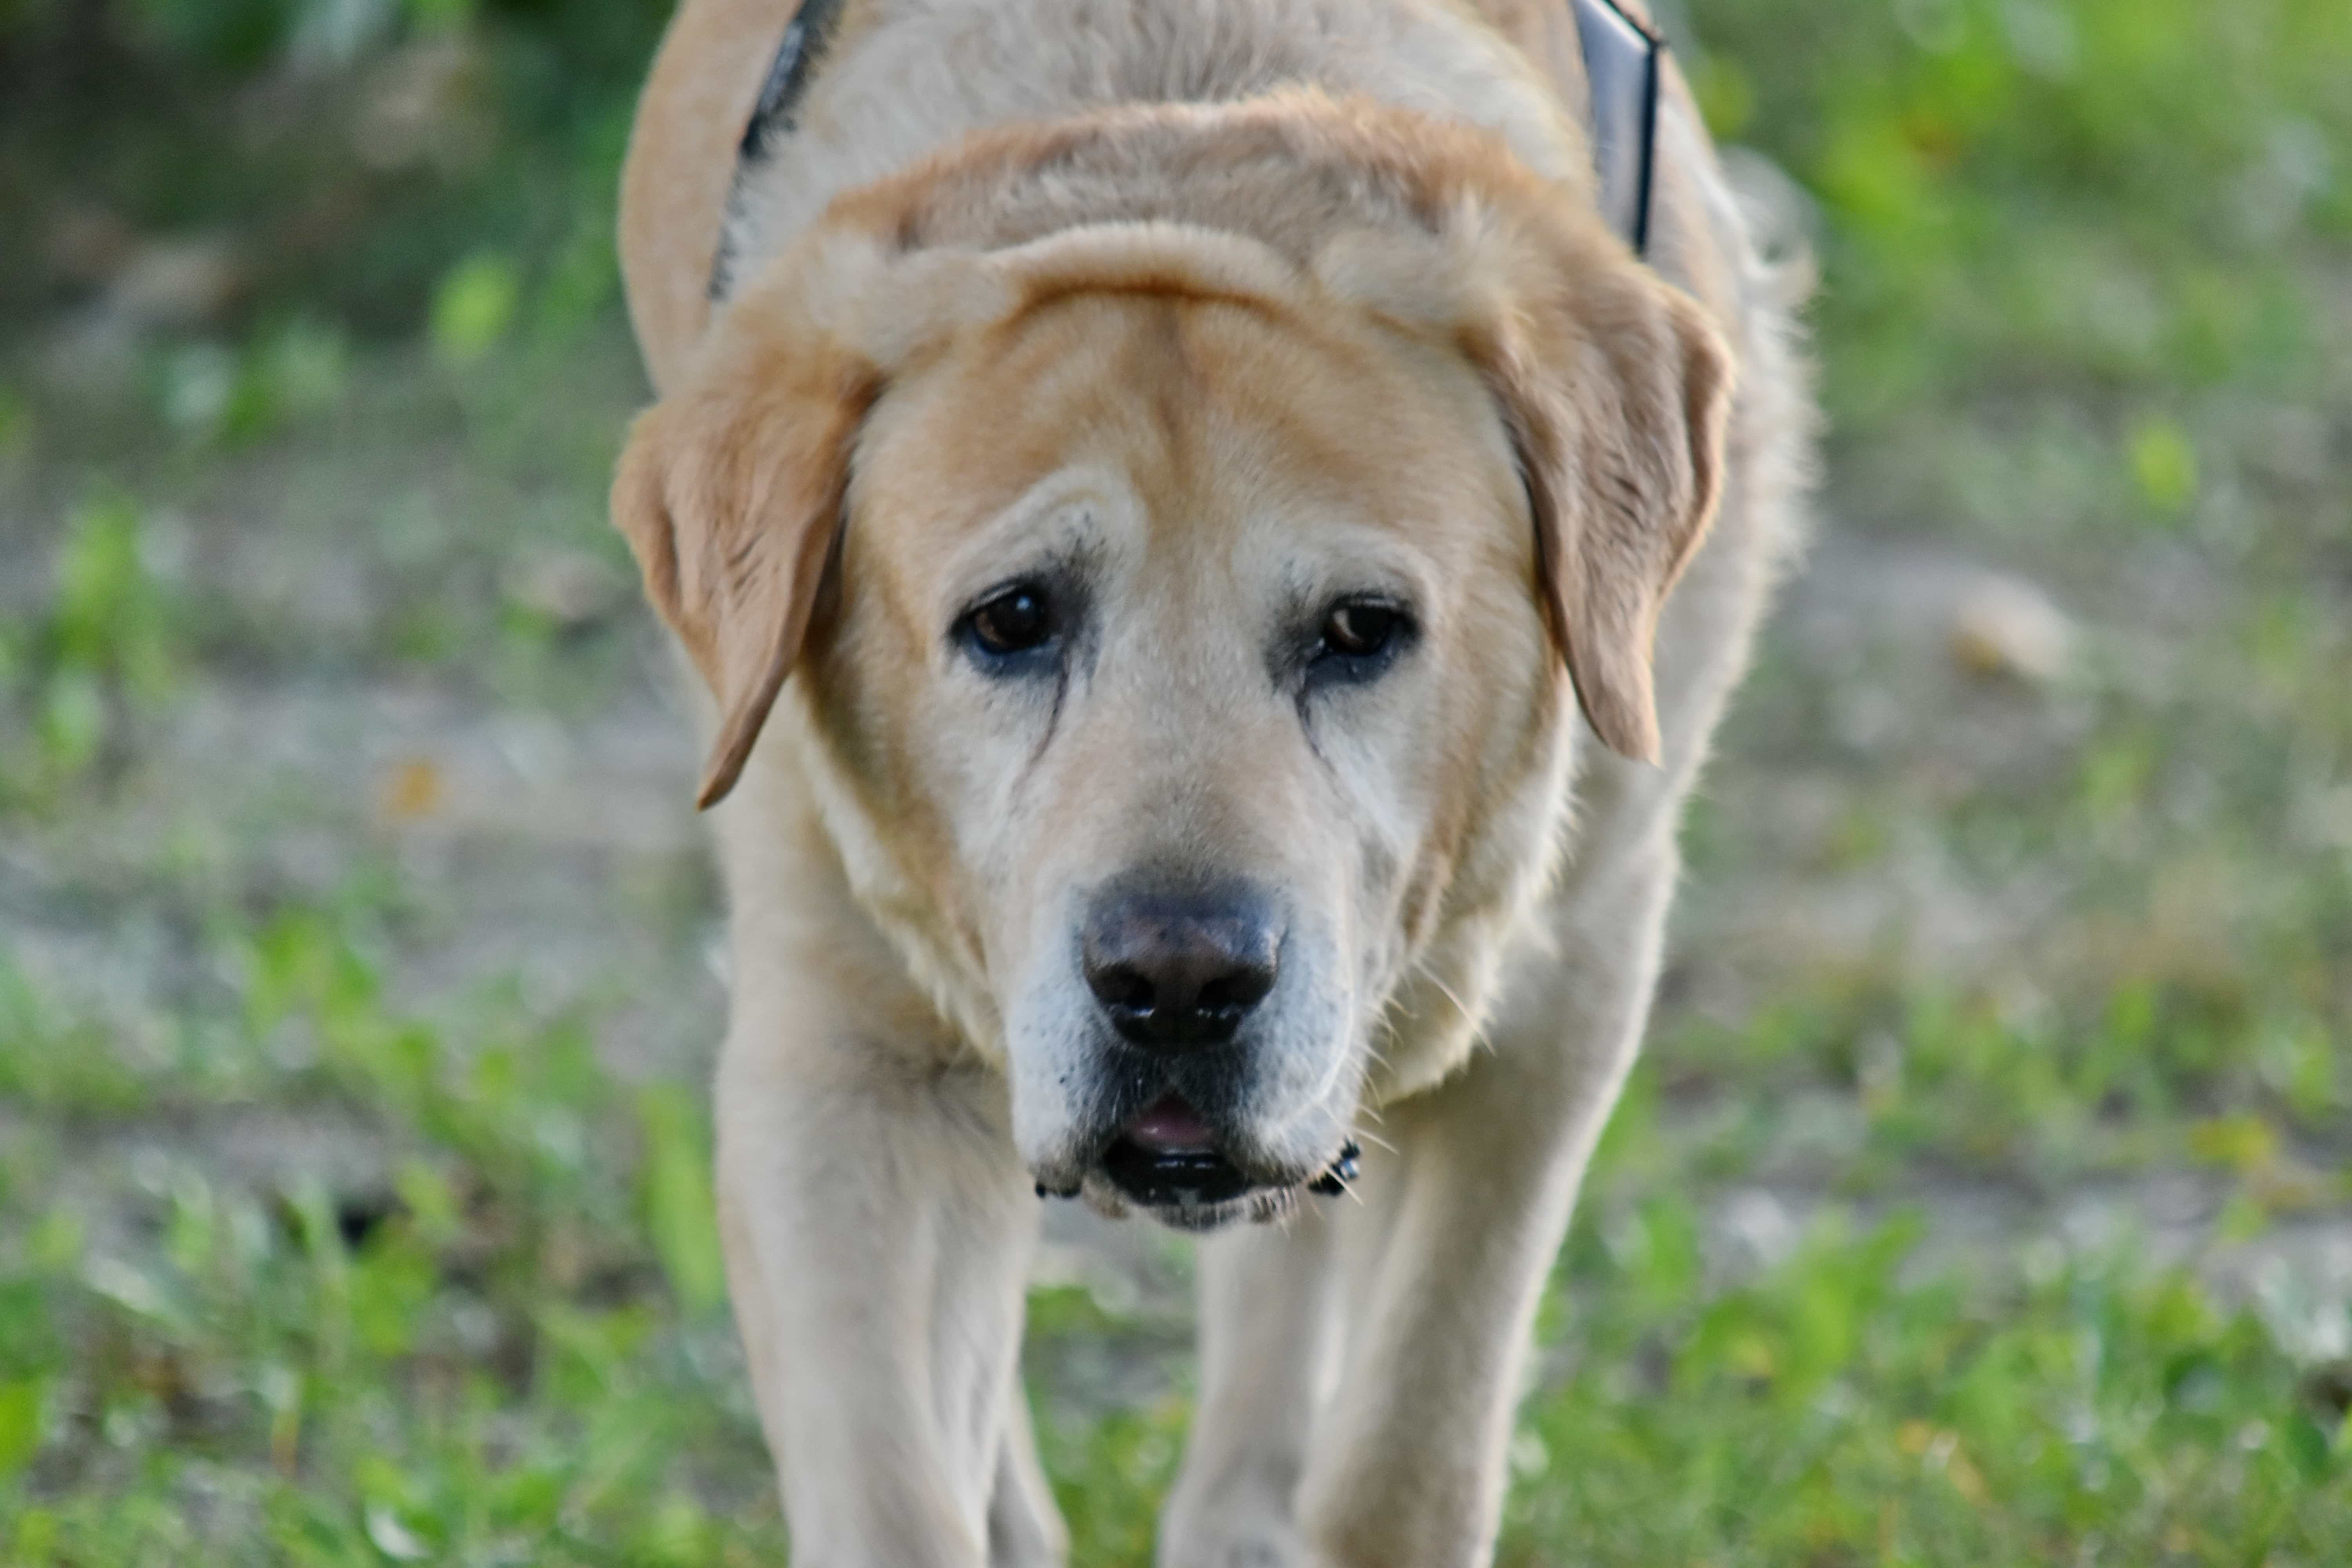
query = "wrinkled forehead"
x=1214 y=427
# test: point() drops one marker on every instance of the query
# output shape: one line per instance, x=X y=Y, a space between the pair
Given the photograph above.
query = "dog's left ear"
x=1616 y=389
x=730 y=494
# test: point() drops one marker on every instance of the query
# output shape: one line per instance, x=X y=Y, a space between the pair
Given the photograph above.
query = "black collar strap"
x=1621 y=74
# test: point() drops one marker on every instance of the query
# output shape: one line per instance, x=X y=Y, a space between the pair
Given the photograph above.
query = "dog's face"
x=1187 y=637
x=1180 y=644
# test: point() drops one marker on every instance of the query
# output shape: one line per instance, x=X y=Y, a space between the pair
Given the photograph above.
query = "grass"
x=508 y=1353
x=1971 y=1204
x=515 y=1350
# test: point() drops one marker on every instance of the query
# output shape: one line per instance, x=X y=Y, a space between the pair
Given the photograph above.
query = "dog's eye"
x=1013 y=621
x=1359 y=630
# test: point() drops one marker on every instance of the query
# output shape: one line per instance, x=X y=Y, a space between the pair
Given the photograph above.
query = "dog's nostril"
x=1239 y=989
x=1176 y=973
x=1120 y=986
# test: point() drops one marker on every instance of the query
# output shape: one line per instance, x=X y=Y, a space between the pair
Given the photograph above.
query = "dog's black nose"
x=1175 y=972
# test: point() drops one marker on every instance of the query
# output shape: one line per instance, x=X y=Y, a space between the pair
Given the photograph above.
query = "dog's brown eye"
x=1361 y=628
x=1013 y=622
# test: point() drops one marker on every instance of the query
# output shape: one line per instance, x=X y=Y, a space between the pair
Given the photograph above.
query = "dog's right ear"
x=730 y=494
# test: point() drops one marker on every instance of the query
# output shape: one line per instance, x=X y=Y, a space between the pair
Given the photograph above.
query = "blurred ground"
x=1983 y=1198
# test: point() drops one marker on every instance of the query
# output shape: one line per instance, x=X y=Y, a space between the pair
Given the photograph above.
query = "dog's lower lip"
x=1168 y=1156
x=1181 y=1178
x=1170 y=1126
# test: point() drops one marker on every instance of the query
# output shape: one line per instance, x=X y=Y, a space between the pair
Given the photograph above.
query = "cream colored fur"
x=1224 y=297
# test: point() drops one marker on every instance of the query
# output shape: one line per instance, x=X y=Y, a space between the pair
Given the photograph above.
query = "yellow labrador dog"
x=1197 y=534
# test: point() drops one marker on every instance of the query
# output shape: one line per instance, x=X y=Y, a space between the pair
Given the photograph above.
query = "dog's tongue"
x=1169 y=1126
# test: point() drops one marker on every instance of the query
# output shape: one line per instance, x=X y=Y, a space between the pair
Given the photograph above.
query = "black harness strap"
x=772 y=119
x=1621 y=73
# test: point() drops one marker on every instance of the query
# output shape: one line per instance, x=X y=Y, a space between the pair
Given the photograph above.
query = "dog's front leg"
x=877 y=1228
x=1445 y=1262
x=1267 y=1299
x=1024 y=1528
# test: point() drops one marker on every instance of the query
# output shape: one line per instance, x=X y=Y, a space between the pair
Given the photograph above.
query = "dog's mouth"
x=1166 y=1157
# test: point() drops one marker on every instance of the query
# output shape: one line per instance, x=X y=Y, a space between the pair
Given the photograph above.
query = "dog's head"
x=1174 y=524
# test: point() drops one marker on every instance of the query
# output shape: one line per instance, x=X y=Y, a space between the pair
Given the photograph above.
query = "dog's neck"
x=861 y=89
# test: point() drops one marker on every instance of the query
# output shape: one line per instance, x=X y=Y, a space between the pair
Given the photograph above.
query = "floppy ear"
x=1616 y=390
x=730 y=494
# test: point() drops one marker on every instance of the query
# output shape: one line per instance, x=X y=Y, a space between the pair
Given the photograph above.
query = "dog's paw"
x=1255 y=1552
x=1244 y=1539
